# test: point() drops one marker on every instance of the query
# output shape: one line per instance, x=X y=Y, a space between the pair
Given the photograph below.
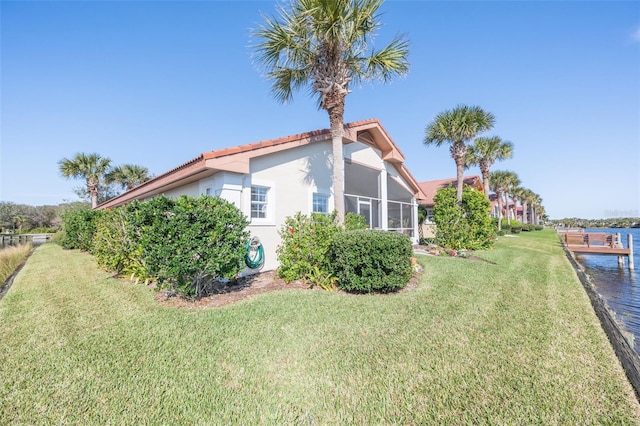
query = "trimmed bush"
x=79 y=226
x=305 y=241
x=116 y=245
x=188 y=242
x=366 y=261
x=465 y=225
x=112 y=244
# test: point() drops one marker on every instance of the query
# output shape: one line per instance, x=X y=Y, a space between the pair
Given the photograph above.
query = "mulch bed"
x=246 y=287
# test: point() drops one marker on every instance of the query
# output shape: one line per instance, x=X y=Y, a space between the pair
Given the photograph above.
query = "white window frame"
x=327 y=198
x=264 y=209
x=270 y=212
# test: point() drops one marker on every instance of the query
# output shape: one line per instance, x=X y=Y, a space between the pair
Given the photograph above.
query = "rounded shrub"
x=79 y=226
x=464 y=225
x=187 y=242
x=366 y=261
x=305 y=241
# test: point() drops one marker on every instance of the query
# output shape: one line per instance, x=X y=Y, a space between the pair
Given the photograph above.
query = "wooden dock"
x=599 y=243
x=14 y=239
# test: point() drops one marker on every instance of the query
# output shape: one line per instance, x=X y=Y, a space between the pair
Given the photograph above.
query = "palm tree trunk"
x=93 y=191
x=459 y=152
x=336 y=118
x=499 y=194
x=485 y=182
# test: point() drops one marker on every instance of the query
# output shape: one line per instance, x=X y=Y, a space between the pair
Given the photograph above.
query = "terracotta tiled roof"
x=236 y=159
x=429 y=188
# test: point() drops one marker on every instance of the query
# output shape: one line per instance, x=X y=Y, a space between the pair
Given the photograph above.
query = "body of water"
x=619 y=286
x=12 y=240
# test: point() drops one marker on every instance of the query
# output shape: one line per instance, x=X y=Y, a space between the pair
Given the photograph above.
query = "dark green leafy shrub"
x=304 y=244
x=116 y=245
x=188 y=242
x=539 y=227
x=79 y=226
x=465 y=225
x=112 y=244
x=353 y=221
x=366 y=261
x=516 y=229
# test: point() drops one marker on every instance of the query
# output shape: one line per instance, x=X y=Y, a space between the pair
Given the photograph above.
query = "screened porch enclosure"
x=383 y=200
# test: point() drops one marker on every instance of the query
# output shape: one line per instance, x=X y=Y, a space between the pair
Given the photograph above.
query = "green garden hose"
x=254 y=258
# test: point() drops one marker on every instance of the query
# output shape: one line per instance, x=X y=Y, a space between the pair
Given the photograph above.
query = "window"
x=207 y=191
x=369 y=208
x=429 y=218
x=320 y=203
x=259 y=202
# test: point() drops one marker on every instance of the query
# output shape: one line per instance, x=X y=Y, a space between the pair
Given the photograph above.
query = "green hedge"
x=187 y=242
x=464 y=225
x=366 y=261
x=79 y=228
x=305 y=240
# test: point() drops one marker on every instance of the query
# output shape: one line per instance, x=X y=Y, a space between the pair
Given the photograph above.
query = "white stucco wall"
x=292 y=177
x=359 y=152
x=190 y=190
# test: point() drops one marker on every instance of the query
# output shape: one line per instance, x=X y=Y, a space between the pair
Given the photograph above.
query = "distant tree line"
x=616 y=222
x=16 y=218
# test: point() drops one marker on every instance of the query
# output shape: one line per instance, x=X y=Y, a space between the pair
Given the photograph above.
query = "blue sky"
x=156 y=83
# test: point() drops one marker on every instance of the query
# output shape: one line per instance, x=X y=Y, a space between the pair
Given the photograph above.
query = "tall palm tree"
x=322 y=45
x=528 y=198
x=499 y=180
x=512 y=181
x=516 y=195
x=90 y=167
x=457 y=127
x=484 y=152
x=128 y=176
x=536 y=207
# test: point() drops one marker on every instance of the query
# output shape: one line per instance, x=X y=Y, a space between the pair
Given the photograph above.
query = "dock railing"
x=598 y=243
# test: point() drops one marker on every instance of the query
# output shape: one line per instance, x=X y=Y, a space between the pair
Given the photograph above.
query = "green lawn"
x=512 y=340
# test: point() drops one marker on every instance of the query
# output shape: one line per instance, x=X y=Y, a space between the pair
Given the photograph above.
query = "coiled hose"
x=254 y=258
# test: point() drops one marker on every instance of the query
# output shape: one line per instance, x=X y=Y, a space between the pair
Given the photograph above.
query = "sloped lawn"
x=510 y=340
